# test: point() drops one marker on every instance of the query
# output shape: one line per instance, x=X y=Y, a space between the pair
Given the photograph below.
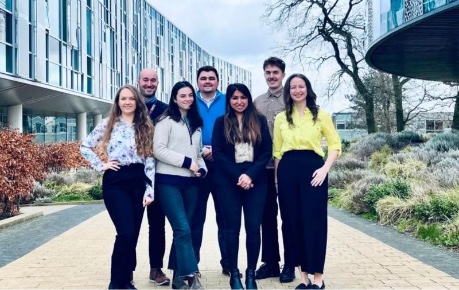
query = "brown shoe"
x=158 y=277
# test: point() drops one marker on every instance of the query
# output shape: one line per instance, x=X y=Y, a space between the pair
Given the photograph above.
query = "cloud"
x=233 y=30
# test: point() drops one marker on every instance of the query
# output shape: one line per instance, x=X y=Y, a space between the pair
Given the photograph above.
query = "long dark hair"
x=310 y=98
x=173 y=111
x=251 y=127
x=143 y=127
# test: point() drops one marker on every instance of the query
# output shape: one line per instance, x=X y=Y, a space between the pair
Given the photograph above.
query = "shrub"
x=95 y=192
x=446 y=172
x=21 y=163
x=42 y=200
x=402 y=139
x=86 y=175
x=403 y=156
x=55 y=180
x=443 y=142
x=345 y=145
x=380 y=158
x=40 y=191
x=75 y=191
x=342 y=178
x=369 y=145
x=349 y=163
x=391 y=209
x=411 y=168
x=429 y=232
x=394 y=187
x=427 y=156
x=63 y=156
x=360 y=188
x=439 y=208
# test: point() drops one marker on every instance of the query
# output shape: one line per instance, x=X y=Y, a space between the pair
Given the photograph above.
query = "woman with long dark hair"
x=302 y=176
x=177 y=145
x=242 y=147
x=122 y=147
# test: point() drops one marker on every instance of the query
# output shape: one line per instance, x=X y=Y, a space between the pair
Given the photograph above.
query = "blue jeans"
x=207 y=187
x=179 y=203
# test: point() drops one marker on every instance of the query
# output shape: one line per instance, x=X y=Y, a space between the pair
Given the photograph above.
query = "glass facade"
x=393 y=13
x=92 y=47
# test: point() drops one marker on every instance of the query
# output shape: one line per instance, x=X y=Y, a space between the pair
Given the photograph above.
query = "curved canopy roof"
x=424 y=48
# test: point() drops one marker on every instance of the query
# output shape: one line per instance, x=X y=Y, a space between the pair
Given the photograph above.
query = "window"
x=88 y=32
x=434 y=126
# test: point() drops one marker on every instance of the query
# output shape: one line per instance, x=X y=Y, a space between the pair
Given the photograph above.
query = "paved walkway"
x=77 y=243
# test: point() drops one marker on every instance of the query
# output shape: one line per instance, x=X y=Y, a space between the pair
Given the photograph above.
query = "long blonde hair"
x=143 y=127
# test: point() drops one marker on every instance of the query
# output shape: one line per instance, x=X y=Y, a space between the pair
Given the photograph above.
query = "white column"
x=81 y=126
x=97 y=119
x=15 y=117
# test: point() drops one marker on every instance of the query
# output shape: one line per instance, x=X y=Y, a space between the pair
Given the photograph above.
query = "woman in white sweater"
x=177 y=149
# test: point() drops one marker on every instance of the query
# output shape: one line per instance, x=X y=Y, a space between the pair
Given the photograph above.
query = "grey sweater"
x=174 y=148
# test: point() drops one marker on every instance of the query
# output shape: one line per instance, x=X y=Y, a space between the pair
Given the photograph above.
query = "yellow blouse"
x=304 y=134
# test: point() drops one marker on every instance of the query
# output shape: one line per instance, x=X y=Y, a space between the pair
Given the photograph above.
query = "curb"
x=64 y=203
x=19 y=219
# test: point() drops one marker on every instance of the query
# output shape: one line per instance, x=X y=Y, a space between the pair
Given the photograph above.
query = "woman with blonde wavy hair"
x=122 y=147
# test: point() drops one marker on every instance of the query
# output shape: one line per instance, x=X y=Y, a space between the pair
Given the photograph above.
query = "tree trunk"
x=397 y=86
x=455 y=125
x=369 y=104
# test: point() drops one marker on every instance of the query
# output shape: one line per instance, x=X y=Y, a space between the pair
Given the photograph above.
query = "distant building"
x=349 y=125
x=62 y=61
x=431 y=122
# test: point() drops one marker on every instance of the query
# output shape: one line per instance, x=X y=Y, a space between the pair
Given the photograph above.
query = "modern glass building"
x=414 y=38
x=61 y=61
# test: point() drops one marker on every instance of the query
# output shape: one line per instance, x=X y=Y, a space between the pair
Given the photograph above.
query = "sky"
x=233 y=30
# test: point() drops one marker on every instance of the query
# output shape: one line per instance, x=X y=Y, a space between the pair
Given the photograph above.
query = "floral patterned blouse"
x=121 y=147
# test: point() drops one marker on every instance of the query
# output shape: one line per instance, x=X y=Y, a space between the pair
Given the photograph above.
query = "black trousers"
x=206 y=187
x=157 y=232
x=233 y=200
x=303 y=210
x=123 y=192
x=269 y=231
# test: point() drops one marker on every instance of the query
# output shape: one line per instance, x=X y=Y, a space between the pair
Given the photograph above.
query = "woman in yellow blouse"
x=302 y=177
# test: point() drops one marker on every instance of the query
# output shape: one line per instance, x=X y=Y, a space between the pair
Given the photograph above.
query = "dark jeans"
x=123 y=192
x=233 y=200
x=178 y=203
x=207 y=187
x=157 y=233
x=269 y=232
x=303 y=210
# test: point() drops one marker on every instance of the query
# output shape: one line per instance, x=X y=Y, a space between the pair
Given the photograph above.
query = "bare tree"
x=380 y=87
x=335 y=30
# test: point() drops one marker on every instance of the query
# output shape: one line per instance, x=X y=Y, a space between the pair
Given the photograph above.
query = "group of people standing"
x=247 y=153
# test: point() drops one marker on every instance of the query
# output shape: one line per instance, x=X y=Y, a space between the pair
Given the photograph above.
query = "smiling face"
x=274 y=77
x=127 y=102
x=298 y=90
x=239 y=102
x=184 y=99
x=207 y=82
x=148 y=83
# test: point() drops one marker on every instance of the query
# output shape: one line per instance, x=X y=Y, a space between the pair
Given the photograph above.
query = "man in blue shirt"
x=148 y=85
x=211 y=104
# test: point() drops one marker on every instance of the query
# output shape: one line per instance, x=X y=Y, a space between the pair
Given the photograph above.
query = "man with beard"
x=270 y=104
x=211 y=104
x=148 y=84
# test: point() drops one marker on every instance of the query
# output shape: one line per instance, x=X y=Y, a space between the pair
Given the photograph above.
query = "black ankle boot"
x=235 y=279
x=250 y=282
